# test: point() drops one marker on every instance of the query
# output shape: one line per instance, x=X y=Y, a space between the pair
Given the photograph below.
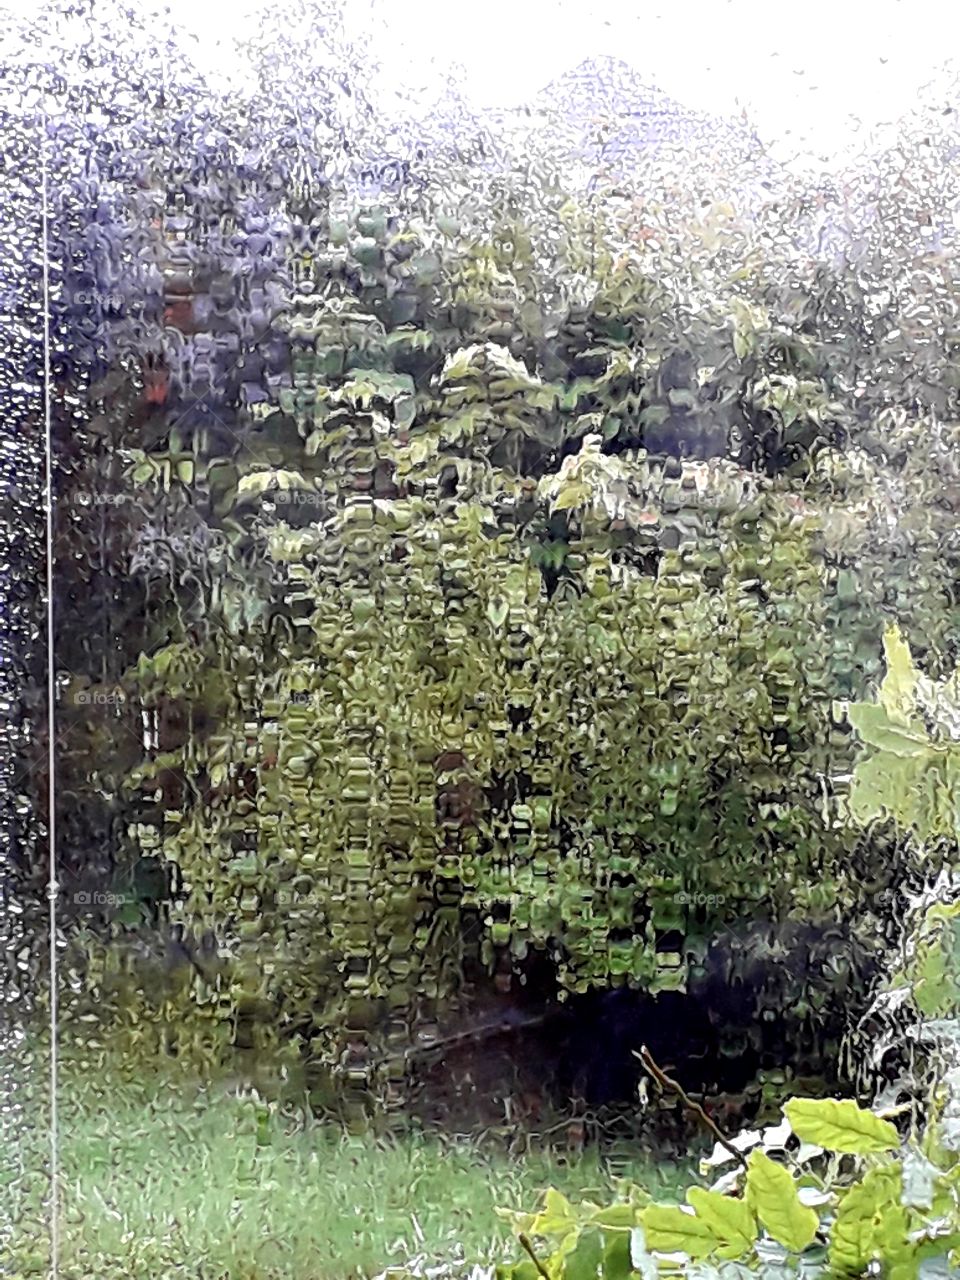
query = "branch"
x=525 y=1241
x=671 y=1086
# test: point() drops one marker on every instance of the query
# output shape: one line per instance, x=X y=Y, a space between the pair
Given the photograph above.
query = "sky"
x=812 y=77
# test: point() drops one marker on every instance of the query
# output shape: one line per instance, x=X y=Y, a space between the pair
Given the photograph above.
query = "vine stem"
x=665 y=1082
x=525 y=1241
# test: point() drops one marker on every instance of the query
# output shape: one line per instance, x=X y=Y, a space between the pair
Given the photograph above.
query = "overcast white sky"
x=803 y=68
x=802 y=71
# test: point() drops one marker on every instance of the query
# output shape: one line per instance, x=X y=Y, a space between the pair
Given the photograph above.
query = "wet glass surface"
x=502 y=705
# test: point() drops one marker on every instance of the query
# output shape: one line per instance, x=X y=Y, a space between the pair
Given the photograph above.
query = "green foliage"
x=888 y=1208
x=453 y=737
x=446 y=642
x=932 y=973
x=912 y=774
x=840 y=1126
x=794 y=1210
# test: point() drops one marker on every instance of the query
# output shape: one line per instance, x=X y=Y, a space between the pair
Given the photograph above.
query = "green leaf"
x=131 y=913
x=616 y=1263
x=935 y=967
x=898 y=691
x=497 y=612
x=557 y=1205
x=525 y=1269
x=773 y=1197
x=670 y=1229
x=840 y=1126
x=865 y=1217
x=731 y=1221
x=572 y=495
x=557 y=1218
x=256 y=482
x=551 y=555
x=584 y=1260
x=877 y=730
x=617 y=1216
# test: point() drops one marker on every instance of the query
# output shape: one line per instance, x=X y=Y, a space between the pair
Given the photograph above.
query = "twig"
x=525 y=1241
x=665 y=1082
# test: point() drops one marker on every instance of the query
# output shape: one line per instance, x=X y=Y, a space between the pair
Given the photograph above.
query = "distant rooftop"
x=606 y=86
x=602 y=112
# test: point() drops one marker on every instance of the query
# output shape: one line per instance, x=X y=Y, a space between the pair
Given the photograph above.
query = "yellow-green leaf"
x=898 y=691
x=256 y=482
x=670 y=1229
x=557 y=1218
x=571 y=496
x=877 y=729
x=858 y=1232
x=617 y=1217
x=732 y=1221
x=557 y=1205
x=840 y=1126
x=772 y=1195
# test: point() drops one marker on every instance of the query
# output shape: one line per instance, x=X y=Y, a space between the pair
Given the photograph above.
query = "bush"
x=895 y=1205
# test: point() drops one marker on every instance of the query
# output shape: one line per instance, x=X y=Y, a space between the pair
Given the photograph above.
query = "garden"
x=502 y=689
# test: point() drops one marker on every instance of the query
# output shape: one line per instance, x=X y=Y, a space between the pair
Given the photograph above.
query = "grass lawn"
x=163 y=1179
